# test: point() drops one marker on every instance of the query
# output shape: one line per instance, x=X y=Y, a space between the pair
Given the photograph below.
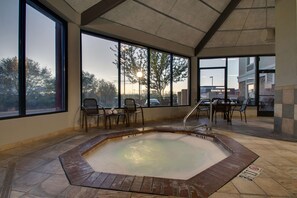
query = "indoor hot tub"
x=162 y=161
x=155 y=154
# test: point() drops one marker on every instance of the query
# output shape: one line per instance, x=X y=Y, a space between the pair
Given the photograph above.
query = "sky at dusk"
x=40 y=34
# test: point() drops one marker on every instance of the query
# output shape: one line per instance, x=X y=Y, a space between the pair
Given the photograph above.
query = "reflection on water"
x=156 y=154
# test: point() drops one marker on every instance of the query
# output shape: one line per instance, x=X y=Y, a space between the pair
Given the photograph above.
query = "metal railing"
x=209 y=125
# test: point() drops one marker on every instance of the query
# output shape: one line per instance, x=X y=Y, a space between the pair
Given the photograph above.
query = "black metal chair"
x=92 y=109
x=241 y=110
x=131 y=108
x=222 y=106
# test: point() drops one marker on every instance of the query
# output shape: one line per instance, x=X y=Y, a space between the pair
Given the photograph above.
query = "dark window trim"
x=226 y=80
x=22 y=58
x=119 y=74
x=149 y=77
x=257 y=70
x=120 y=41
x=207 y=68
x=63 y=59
x=171 y=80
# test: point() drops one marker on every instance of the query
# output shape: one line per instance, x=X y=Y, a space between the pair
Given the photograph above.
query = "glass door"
x=266 y=86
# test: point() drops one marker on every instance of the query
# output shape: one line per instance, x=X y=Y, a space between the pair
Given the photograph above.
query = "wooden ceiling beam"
x=98 y=10
x=220 y=20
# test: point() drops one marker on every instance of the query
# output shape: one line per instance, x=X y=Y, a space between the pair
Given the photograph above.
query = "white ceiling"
x=186 y=22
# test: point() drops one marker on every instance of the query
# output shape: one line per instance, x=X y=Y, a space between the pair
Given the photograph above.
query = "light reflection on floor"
x=39 y=173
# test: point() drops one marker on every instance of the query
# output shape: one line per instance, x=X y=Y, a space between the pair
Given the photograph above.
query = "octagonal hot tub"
x=163 y=161
x=154 y=154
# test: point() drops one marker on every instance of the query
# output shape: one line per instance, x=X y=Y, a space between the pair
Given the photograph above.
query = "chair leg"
x=118 y=119
x=142 y=118
x=105 y=122
x=82 y=119
x=240 y=116
x=128 y=119
x=86 y=122
x=244 y=116
x=124 y=119
x=231 y=115
x=109 y=122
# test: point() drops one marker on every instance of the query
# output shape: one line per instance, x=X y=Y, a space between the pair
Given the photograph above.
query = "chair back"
x=90 y=105
x=222 y=105
x=130 y=104
x=244 y=105
x=240 y=100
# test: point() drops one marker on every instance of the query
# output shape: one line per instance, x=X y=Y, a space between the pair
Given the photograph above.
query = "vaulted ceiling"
x=196 y=24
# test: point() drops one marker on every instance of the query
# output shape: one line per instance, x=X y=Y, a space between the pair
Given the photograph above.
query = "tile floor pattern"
x=38 y=172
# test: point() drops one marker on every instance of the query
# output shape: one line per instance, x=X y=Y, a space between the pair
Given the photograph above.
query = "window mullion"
x=119 y=74
x=171 y=80
x=22 y=58
x=148 y=76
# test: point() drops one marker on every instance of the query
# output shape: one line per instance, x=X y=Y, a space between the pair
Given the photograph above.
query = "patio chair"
x=131 y=108
x=241 y=110
x=224 y=107
x=92 y=109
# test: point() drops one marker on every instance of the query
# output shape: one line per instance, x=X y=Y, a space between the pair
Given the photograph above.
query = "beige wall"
x=237 y=51
x=73 y=74
x=286 y=42
x=20 y=129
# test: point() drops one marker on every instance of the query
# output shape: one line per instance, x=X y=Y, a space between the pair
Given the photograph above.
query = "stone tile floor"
x=33 y=170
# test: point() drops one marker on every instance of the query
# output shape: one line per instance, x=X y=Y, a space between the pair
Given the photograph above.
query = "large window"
x=9 y=80
x=134 y=73
x=32 y=55
x=212 y=78
x=232 y=78
x=160 y=78
x=241 y=79
x=153 y=78
x=266 y=76
x=212 y=83
x=100 y=70
x=180 y=74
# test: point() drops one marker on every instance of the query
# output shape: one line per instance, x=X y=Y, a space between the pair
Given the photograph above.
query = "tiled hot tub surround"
x=80 y=173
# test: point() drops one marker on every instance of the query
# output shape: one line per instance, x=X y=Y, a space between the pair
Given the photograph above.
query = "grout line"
x=7 y=183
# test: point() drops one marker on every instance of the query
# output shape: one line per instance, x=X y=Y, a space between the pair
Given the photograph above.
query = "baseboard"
x=38 y=138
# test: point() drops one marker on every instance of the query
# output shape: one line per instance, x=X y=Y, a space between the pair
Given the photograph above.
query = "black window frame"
x=120 y=41
x=61 y=58
x=257 y=70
